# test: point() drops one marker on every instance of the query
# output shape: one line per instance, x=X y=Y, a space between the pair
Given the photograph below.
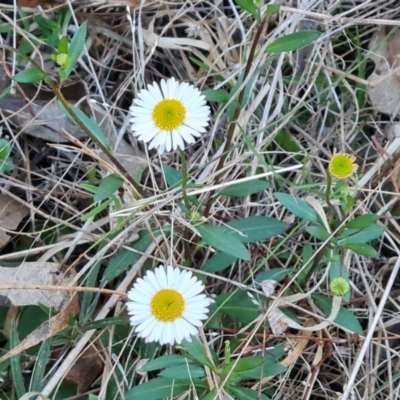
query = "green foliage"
x=108 y=187
x=224 y=240
x=247 y=5
x=297 y=207
x=16 y=371
x=74 y=51
x=29 y=75
x=237 y=305
x=344 y=318
x=218 y=262
x=6 y=163
x=293 y=41
x=245 y=188
x=195 y=349
x=276 y=274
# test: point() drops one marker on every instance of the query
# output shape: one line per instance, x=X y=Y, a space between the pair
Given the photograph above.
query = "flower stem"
x=238 y=108
x=184 y=179
x=328 y=191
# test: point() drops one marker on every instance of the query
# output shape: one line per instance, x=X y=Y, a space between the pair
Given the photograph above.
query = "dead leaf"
x=86 y=369
x=35 y=273
x=384 y=82
x=47 y=329
x=11 y=214
x=35 y=110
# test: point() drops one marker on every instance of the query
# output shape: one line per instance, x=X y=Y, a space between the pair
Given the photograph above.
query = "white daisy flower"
x=166 y=305
x=170 y=115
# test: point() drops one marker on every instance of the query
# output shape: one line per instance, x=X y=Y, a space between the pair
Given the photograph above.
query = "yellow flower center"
x=169 y=114
x=342 y=166
x=167 y=305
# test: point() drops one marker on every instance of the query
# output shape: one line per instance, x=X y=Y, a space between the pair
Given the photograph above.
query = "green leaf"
x=292 y=41
x=6 y=163
x=363 y=250
x=211 y=395
x=93 y=212
x=183 y=371
x=319 y=232
x=74 y=51
x=218 y=262
x=247 y=5
x=345 y=317
x=16 y=371
x=93 y=397
x=63 y=45
x=89 y=123
x=30 y=75
x=242 y=393
x=306 y=257
x=217 y=96
x=125 y=258
x=195 y=349
x=362 y=221
x=245 y=364
x=237 y=305
x=157 y=389
x=108 y=187
x=163 y=362
x=276 y=274
x=245 y=188
x=256 y=228
x=40 y=366
x=106 y=323
x=271 y=9
x=172 y=176
x=297 y=207
x=223 y=240
x=372 y=232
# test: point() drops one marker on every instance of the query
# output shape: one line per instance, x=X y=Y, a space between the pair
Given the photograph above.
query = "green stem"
x=238 y=108
x=60 y=97
x=184 y=179
x=328 y=192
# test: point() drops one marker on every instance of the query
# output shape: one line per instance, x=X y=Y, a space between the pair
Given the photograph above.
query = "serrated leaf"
x=245 y=188
x=257 y=228
x=318 y=232
x=163 y=362
x=157 y=389
x=247 y=5
x=108 y=187
x=297 y=207
x=276 y=274
x=344 y=318
x=223 y=240
x=237 y=305
x=217 y=96
x=195 y=349
x=363 y=250
x=30 y=75
x=292 y=41
x=183 y=371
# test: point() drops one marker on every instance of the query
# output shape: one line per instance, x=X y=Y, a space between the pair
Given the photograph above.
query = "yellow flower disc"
x=339 y=286
x=342 y=166
x=169 y=114
x=167 y=305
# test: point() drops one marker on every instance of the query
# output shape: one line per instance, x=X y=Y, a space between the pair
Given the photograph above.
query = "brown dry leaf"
x=32 y=274
x=11 y=214
x=384 y=83
x=47 y=329
x=37 y=113
x=86 y=369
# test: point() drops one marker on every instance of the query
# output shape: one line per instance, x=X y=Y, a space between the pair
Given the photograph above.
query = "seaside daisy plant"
x=167 y=305
x=169 y=114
